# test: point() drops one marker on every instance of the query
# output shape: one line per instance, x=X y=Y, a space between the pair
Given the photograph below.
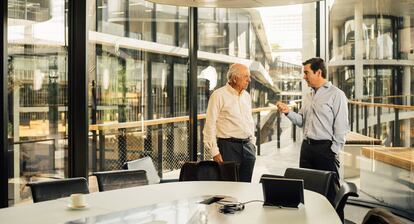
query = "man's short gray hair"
x=236 y=70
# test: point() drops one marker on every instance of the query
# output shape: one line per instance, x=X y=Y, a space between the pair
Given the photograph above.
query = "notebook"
x=282 y=192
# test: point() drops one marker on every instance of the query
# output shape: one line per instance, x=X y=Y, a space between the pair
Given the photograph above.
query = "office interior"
x=88 y=86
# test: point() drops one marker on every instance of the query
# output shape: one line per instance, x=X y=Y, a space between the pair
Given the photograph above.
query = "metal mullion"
x=192 y=81
x=3 y=114
x=318 y=29
x=154 y=23
x=78 y=90
x=177 y=27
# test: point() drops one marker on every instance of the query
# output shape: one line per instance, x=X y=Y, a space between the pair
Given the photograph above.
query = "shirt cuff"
x=214 y=151
x=289 y=115
x=336 y=147
x=253 y=140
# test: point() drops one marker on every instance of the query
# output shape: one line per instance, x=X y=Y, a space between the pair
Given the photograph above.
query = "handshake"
x=282 y=107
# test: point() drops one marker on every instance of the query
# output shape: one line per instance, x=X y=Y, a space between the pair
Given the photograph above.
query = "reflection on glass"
x=187 y=210
x=166 y=24
x=378 y=81
x=137 y=79
x=37 y=94
x=371 y=52
x=384 y=37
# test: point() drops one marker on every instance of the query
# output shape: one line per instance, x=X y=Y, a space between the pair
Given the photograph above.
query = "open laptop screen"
x=282 y=192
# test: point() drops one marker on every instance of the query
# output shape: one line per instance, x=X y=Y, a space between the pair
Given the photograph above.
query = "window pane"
x=137 y=77
x=371 y=52
x=37 y=46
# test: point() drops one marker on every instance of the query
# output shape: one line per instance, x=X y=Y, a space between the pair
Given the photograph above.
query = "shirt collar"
x=232 y=90
x=325 y=86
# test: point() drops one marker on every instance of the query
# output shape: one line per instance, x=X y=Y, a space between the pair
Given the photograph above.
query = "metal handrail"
x=383 y=97
x=386 y=105
x=160 y=121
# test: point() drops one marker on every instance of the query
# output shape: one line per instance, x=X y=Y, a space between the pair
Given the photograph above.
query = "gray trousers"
x=243 y=153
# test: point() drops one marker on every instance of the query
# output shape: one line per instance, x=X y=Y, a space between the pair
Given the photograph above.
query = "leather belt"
x=237 y=140
x=316 y=142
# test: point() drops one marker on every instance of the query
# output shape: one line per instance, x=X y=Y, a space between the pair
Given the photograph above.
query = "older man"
x=229 y=128
x=323 y=117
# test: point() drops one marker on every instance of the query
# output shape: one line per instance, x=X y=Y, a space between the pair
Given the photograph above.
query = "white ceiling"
x=345 y=9
x=231 y=3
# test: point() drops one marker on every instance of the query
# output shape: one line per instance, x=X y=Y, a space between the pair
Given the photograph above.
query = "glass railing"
x=379 y=157
x=165 y=140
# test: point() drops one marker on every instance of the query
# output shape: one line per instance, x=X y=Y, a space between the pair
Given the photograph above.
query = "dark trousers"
x=319 y=156
x=242 y=152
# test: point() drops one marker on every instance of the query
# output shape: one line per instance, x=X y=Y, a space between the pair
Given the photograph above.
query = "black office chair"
x=270 y=176
x=146 y=164
x=50 y=190
x=209 y=171
x=320 y=181
x=117 y=179
x=347 y=190
x=229 y=171
x=381 y=216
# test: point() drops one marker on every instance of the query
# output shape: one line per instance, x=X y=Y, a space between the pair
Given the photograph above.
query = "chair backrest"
x=209 y=171
x=319 y=181
x=264 y=176
x=188 y=172
x=116 y=179
x=381 y=216
x=50 y=190
x=147 y=165
x=229 y=171
x=347 y=189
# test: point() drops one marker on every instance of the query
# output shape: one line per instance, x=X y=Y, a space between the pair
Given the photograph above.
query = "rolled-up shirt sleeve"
x=340 y=125
x=210 y=136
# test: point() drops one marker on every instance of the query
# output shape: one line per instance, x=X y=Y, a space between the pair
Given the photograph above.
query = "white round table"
x=316 y=209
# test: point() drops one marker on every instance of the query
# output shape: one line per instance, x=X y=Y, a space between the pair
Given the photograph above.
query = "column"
x=16 y=147
x=335 y=41
x=335 y=54
x=406 y=84
x=359 y=50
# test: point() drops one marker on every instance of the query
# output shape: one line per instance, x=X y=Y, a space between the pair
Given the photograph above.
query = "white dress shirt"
x=229 y=115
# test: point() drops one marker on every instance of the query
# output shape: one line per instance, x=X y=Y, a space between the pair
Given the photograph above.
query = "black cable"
x=237 y=203
x=247 y=202
x=232 y=207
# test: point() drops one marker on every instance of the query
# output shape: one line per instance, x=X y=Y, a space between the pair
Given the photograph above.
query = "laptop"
x=282 y=192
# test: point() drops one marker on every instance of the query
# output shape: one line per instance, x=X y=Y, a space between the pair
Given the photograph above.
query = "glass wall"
x=213 y=29
x=344 y=79
x=371 y=55
x=380 y=34
x=138 y=73
x=137 y=79
x=288 y=80
x=37 y=94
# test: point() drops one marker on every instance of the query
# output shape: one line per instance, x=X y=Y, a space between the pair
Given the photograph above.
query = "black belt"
x=316 y=142
x=237 y=140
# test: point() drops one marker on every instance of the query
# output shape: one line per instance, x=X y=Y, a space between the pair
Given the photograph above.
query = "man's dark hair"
x=315 y=64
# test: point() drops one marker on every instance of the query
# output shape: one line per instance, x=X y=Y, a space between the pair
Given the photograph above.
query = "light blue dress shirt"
x=324 y=115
